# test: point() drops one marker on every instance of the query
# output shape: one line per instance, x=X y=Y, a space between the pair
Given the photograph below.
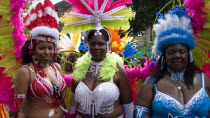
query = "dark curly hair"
x=104 y=32
x=72 y=57
x=26 y=58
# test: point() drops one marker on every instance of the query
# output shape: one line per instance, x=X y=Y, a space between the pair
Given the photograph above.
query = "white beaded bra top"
x=99 y=101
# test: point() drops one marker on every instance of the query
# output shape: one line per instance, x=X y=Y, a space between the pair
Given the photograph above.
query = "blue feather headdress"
x=175 y=28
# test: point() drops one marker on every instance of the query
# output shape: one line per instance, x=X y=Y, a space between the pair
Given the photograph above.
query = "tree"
x=146 y=11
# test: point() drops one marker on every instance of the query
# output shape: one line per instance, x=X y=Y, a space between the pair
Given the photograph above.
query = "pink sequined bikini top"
x=42 y=88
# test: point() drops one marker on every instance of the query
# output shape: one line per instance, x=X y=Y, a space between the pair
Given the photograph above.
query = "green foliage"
x=146 y=11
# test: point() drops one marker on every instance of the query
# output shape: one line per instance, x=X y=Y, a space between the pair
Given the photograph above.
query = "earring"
x=107 y=49
x=34 y=59
x=162 y=63
x=191 y=56
x=54 y=55
x=30 y=48
x=88 y=52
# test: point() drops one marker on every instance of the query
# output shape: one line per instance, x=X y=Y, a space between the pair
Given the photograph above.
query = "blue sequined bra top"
x=197 y=107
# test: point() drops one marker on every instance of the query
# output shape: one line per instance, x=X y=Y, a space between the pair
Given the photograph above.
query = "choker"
x=95 y=67
x=177 y=76
x=37 y=62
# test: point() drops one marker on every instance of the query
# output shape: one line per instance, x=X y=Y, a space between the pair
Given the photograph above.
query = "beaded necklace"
x=108 y=67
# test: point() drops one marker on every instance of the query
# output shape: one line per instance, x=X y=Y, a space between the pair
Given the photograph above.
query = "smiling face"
x=176 y=57
x=97 y=47
x=44 y=51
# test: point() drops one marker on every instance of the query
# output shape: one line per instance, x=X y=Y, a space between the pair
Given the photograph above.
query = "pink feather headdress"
x=87 y=14
x=200 y=12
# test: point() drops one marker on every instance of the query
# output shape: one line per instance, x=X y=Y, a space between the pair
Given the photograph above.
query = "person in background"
x=68 y=71
x=141 y=61
x=69 y=67
x=137 y=75
x=177 y=88
x=59 y=59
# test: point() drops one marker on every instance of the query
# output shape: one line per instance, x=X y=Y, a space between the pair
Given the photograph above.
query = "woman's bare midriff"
x=118 y=111
x=38 y=108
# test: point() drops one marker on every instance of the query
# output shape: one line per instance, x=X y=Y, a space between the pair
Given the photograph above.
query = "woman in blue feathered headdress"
x=177 y=88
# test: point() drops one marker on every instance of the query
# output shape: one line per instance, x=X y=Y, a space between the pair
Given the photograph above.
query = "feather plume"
x=200 y=57
x=6 y=91
x=70 y=43
x=172 y=21
x=78 y=7
x=199 y=9
x=197 y=14
x=11 y=41
x=16 y=21
x=116 y=42
x=111 y=15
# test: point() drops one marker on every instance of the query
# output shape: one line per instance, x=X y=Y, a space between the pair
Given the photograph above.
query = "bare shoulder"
x=146 y=93
x=207 y=80
x=23 y=70
x=58 y=66
x=148 y=84
x=121 y=74
x=121 y=69
x=22 y=80
x=124 y=86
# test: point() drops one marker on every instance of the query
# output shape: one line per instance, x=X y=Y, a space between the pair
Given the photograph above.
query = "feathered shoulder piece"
x=107 y=71
x=87 y=14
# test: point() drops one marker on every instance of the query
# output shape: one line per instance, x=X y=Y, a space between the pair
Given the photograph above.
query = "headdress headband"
x=42 y=20
x=175 y=28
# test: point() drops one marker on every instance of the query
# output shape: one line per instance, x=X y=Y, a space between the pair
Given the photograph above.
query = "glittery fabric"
x=100 y=100
x=41 y=88
x=164 y=104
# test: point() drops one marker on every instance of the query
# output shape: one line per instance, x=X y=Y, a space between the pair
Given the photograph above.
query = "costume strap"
x=128 y=110
x=202 y=79
x=153 y=81
x=63 y=109
x=140 y=111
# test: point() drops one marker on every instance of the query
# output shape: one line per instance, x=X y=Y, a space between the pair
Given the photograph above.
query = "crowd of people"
x=98 y=84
